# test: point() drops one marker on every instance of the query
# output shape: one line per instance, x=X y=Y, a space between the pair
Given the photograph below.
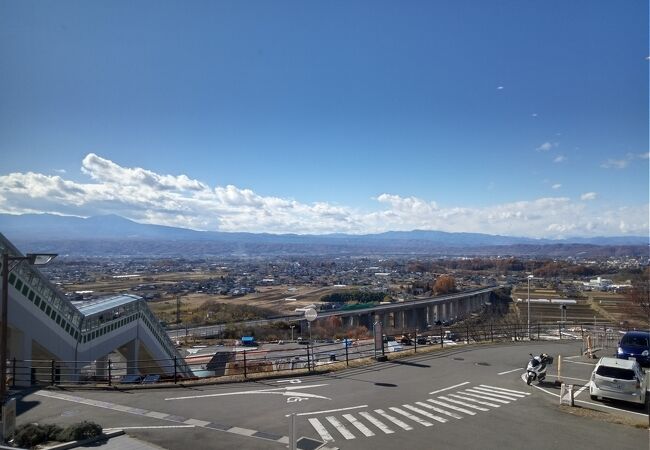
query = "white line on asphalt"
x=376 y=422
x=505 y=390
x=340 y=427
x=358 y=425
x=152 y=427
x=568 y=378
x=328 y=411
x=321 y=430
x=450 y=387
x=509 y=395
x=592 y=403
x=439 y=410
x=494 y=405
x=582 y=389
x=256 y=391
x=580 y=362
x=510 y=371
x=425 y=413
x=395 y=420
x=484 y=397
x=455 y=408
x=411 y=416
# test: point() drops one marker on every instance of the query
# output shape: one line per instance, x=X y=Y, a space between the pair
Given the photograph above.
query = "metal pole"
x=528 y=314
x=3 y=331
x=245 y=374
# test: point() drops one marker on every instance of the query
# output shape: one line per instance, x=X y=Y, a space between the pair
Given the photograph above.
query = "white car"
x=618 y=379
x=394 y=346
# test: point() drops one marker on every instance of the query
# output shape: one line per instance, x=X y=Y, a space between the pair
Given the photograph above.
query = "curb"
x=73 y=444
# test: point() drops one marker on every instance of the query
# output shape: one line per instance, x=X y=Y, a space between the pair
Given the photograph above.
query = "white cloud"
x=177 y=200
x=556 y=186
x=546 y=146
x=559 y=159
x=499 y=88
x=534 y=114
x=588 y=196
x=61 y=171
x=615 y=164
x=624 y=162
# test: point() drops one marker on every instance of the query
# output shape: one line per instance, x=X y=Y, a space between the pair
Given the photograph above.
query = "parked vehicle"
x=618 y=379
x=394 y=346
x=536 y=369
x=635 y=345
x=406 y=340
x=422 y=340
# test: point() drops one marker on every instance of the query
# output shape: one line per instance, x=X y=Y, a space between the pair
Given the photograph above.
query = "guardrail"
x=313 y=356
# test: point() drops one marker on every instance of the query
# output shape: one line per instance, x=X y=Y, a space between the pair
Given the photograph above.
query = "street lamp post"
x=528 y=314
x=292 y=327
x=33 y=259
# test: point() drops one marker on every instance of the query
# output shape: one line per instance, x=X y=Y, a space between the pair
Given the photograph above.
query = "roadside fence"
x=300 y=356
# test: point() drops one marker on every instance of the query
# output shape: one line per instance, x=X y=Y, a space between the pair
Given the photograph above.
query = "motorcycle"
x=536 y=369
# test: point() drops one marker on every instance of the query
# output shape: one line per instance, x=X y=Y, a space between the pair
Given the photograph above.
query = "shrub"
x=79 y=431
x=31 y=434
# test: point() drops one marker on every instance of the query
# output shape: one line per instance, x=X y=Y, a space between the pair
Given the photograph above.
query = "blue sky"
x=505 y=117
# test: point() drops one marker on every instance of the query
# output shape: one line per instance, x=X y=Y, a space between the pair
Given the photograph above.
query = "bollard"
x=347 y=361
x=292 y=432
x=308 y=360
x=245 y=374
x=442 y=337
x=558 y=380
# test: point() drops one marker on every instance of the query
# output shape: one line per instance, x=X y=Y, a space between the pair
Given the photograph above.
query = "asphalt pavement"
x=463 y=397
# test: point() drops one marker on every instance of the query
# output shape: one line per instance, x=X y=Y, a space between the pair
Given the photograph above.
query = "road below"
x=459 y=398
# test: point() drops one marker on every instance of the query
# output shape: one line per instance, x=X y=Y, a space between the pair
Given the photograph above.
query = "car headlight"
x=620 y=351
x=645 y=353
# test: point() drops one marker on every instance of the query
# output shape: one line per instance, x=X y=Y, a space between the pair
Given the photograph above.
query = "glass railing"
x=44 y=295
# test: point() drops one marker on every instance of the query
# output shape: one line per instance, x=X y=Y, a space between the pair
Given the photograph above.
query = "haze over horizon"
x=509 y=118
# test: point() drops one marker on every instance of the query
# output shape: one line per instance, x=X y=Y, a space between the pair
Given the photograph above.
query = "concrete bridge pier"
x=366 y=320
x=132 y=354
x=422 y=318
x=101 y=366
x=399 y=319
x=20 y=347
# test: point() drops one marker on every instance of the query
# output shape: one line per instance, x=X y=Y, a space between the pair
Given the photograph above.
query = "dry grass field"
x=281 y=299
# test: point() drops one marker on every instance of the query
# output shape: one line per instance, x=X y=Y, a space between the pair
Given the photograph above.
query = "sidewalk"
x=123 y=442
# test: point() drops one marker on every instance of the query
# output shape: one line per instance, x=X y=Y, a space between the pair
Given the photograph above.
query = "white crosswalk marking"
x=339 y=427
x=376 y=422
x=395 y=420
x=505 y=397
x=457 y=405
x=321 y=430
x=505 y=390
x=507 y=394
x=358 y=425
x=467 y=399
x=479 y=394
x=440 y=410
x=425 y=413
x=454 y=407
x=411 y=416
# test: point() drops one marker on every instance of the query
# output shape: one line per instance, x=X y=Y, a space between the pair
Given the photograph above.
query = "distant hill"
x=115 y=235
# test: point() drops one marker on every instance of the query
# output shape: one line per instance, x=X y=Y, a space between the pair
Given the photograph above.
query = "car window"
x=615 y=372
x=638 y=341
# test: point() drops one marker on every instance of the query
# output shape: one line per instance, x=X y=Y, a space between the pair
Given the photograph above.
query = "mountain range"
x=112 y=234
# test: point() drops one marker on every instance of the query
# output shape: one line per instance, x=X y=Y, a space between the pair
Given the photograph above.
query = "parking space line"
x=340 y=427
x=510 y=371
x=395 y=420
x=450 y=387
x=320 y=429
x=358 y=425
x=411 y=416
x=376 y=422
x=328 y=411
